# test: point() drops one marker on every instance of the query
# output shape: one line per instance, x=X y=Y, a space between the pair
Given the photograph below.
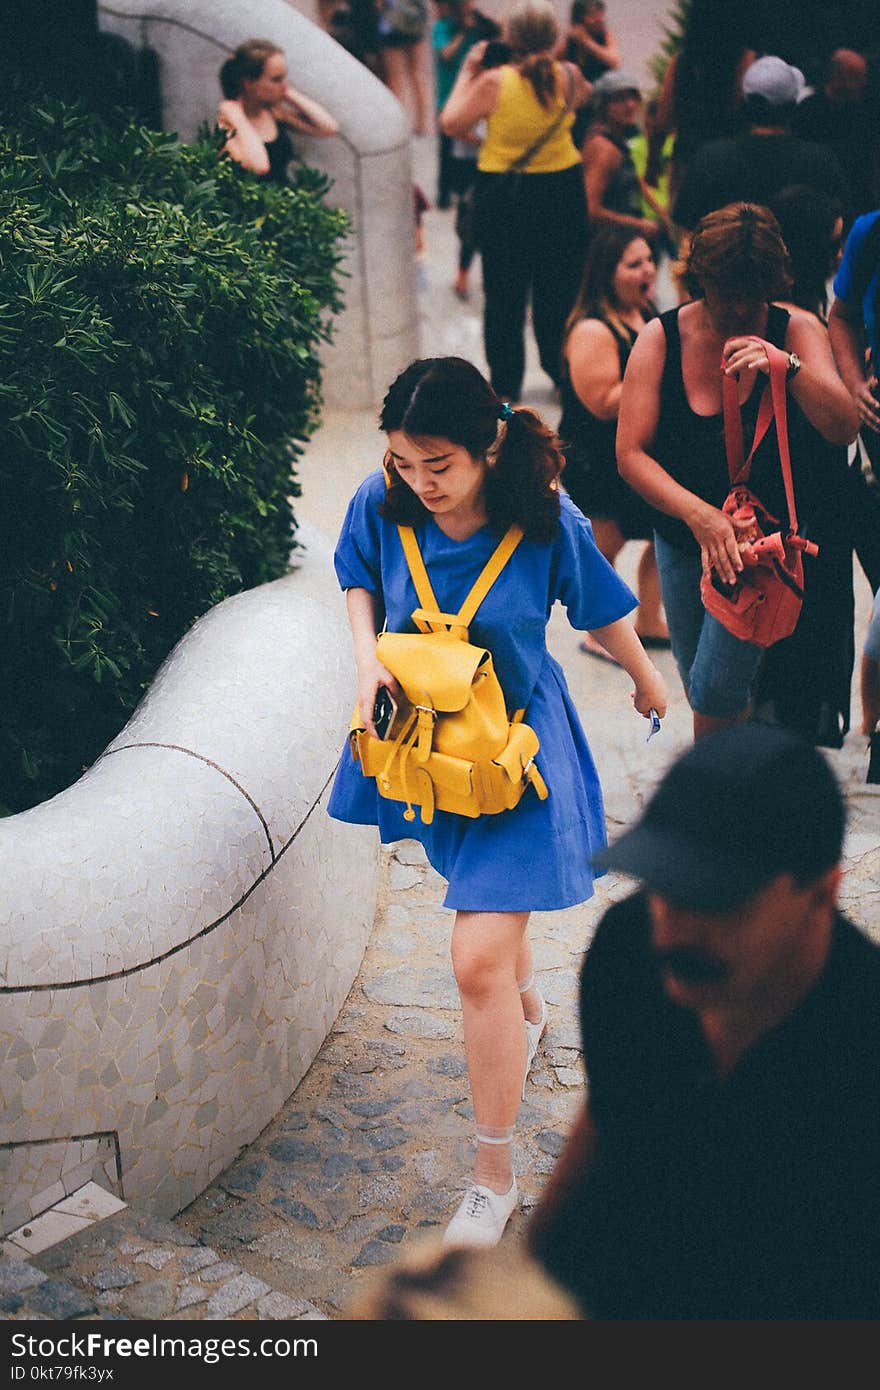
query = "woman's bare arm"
x=594 y=368
x=636 y=427
x=361 y=605
x=244 y=145
x=474 y=95
x=302 y=113
x=601 y=159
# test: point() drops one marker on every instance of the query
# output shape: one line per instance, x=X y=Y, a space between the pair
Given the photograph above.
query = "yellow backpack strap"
x=494 y=565
x=417 y=568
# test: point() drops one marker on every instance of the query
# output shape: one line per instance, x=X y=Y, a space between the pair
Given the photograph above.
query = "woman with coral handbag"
x=670 y=437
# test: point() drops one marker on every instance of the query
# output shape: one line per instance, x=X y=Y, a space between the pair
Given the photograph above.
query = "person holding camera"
x=458 y=26
x=671 y=446
x=529 y=205
x=462 y=466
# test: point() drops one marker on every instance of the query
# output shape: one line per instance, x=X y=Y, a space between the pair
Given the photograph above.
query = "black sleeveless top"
x=280 y=152
x=691 y=447
x=582 y=431
x=591 y=478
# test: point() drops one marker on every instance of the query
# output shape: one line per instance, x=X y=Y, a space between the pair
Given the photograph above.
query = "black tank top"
x=280 y=152
x=691 y=447
x=584 y=433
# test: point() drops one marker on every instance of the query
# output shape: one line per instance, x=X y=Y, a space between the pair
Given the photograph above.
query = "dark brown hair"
x=738 y=250
x=245 y=65
x=448 y=398
x=595 y=298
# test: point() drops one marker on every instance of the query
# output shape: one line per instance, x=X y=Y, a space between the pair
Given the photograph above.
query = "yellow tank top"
x=517 y=122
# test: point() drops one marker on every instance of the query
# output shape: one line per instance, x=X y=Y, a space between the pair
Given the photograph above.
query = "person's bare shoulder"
x=590 y=335
x=230 y=113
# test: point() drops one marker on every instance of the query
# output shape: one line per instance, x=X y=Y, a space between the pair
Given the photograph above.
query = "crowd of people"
x=724 y=1163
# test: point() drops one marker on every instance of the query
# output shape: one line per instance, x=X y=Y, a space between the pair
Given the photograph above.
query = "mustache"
x=691 y=965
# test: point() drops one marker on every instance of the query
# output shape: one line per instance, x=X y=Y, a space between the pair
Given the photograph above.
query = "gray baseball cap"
x=778 y=82
x=614 y=84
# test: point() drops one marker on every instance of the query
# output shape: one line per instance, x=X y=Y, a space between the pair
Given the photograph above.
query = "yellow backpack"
x=452 y=746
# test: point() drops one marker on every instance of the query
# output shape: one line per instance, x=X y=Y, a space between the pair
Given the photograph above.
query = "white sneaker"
x=482 y=1216
x=534 y=1033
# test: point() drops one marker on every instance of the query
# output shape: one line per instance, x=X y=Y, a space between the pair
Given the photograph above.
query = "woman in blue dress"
x=462 y=467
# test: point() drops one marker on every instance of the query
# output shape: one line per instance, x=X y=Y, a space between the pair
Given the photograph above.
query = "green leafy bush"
x=160 y=317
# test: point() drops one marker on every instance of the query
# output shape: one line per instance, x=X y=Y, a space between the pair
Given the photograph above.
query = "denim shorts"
x=872 y=641
x=717 y=669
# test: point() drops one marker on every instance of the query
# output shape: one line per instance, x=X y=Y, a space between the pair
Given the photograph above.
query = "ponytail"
x=540 y=70
x=522 y=486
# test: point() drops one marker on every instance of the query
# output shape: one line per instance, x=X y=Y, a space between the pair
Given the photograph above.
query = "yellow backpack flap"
x=452 y=746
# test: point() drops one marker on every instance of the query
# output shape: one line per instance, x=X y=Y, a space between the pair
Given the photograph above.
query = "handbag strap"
x=772 y=405
x=522 y=160
x=490 y=572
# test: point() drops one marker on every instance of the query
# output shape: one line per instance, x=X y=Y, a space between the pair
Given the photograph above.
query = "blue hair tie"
x=506 y=411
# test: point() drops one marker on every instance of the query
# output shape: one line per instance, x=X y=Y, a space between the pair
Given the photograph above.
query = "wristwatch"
x=794 y=366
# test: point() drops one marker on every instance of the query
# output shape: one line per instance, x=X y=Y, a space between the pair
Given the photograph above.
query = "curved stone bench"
x=377 y=333
x=179 y=929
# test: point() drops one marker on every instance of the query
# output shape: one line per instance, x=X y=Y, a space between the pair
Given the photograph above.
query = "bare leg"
x=417 y=67
x=485 y=952
x=708 y=723
x=394 y=68
x=649 y=622
x=529 y=998
x=870 y=693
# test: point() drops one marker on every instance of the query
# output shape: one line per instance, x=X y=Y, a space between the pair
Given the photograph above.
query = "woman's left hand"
x=744 y=355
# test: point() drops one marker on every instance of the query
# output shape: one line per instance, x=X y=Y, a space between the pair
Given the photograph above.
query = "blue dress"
x=537 y=856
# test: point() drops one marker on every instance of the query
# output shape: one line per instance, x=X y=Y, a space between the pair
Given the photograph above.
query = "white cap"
x=776 y=81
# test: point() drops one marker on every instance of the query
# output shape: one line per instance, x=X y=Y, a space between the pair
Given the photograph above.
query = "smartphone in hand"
x=384 y=711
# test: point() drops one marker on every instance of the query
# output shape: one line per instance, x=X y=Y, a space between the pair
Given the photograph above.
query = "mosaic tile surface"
x=181 y=927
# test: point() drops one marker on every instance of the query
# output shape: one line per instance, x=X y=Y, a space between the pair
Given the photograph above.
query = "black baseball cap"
x=739 y=808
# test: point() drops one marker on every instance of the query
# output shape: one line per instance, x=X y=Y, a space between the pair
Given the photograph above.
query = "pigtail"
x=523 y=484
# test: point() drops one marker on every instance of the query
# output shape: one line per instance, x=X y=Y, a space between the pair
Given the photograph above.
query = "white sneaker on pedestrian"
x=534 y=1033
x=481 y=1216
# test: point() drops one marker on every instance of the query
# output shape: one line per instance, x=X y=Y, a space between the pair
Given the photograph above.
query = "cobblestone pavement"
x=370 y=1152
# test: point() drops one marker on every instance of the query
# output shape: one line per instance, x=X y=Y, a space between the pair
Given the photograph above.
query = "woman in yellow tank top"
x=532 y=235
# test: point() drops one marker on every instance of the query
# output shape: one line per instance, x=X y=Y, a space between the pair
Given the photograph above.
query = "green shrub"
x=160 y=316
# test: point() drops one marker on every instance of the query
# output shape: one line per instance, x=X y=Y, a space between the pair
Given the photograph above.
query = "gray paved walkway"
x=370 y=1151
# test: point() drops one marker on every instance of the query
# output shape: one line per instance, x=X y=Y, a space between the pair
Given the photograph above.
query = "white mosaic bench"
x=179 y=929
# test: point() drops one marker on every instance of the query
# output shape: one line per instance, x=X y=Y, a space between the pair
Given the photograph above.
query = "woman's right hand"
x=371 y=674
x=716 y=537
x=474 y=60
